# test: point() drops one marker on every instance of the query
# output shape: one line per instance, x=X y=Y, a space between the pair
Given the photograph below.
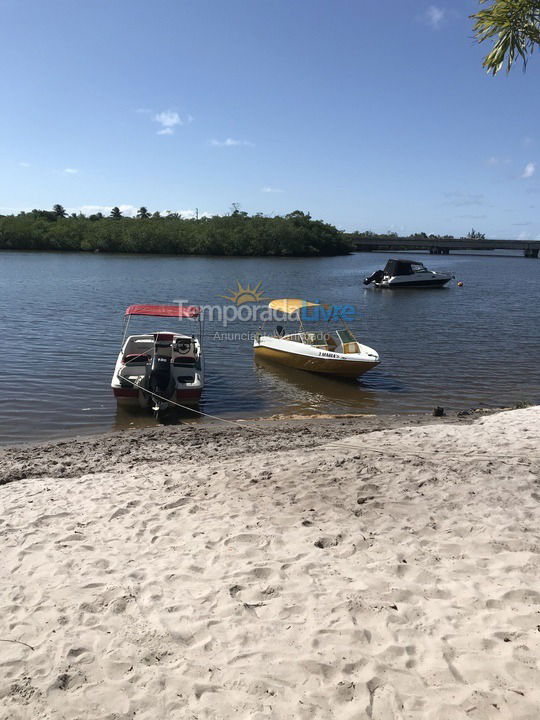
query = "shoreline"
x=88 y=452
x=229 y=419
x=330 y=570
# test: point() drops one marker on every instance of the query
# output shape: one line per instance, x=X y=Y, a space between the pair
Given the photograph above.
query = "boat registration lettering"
x=322 y=353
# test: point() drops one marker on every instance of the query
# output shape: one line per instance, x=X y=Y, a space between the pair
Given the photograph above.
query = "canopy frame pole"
x=340 y=317
x=302 y=328
x=346 y=326
x=127 y=318
x=201 y=341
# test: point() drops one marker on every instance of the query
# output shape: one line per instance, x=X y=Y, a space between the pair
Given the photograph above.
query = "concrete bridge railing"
x=441 y=246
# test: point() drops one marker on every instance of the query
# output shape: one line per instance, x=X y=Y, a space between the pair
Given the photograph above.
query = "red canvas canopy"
x=174 y=311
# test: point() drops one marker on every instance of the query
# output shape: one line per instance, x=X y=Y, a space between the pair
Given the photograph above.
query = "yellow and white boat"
x=340 y=355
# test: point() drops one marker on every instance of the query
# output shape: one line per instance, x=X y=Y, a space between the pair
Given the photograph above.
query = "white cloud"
x=529 y=170
x=131 y=211
x=230 y=142
x=91 y=209
x=523 y=235
x=527 y=141
x=268 y=189
x=435 y=16
x=12 y=211
x=168 y=119
x=24 y=164
x=498 y=160
x=127 y=210
x=70 y=171
x=191 y=214
x=463 y=199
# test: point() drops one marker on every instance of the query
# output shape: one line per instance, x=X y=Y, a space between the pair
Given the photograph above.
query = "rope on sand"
x=18 y=642
x=340 y=443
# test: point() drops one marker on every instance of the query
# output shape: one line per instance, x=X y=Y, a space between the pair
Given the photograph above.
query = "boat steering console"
x=183 y=345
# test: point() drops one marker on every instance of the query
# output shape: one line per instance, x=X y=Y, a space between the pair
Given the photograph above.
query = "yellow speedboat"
x=337 y=354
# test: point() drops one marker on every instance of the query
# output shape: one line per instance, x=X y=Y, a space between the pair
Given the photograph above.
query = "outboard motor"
x=377 y=276
x=158 y=379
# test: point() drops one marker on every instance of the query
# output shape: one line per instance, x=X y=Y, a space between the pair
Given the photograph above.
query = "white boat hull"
x=427 y=279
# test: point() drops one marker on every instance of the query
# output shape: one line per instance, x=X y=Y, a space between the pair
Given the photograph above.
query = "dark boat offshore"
x=407 y=274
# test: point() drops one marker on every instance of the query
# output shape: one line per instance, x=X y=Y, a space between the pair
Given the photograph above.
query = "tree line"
x=295 y=234
x=238 y=233
x=368 y=234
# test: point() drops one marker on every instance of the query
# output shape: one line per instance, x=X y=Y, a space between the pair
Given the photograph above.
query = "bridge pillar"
x=531 y=252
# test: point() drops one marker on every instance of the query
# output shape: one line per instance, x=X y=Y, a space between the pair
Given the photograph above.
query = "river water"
x=61 y=320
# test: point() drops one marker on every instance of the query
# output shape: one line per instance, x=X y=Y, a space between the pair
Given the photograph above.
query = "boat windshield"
x=346 y=336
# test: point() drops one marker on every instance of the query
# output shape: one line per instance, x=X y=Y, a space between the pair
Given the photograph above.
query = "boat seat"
x=348 y=341
x=184 y=361
x=138 y=347
x=135 y=359
x=331 y=342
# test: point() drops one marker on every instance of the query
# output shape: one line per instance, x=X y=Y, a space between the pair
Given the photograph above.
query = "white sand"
x=393 y=574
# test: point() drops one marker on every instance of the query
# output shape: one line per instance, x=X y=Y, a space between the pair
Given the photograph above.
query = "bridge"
x=442 y=246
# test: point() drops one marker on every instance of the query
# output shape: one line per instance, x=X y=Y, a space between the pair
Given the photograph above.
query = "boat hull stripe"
x=325 y=366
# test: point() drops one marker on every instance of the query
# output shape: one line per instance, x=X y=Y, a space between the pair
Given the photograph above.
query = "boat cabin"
x=395 y=268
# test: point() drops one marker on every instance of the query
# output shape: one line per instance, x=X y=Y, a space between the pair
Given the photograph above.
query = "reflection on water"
x=135 y=417
x=61 y=316
x=309 y=393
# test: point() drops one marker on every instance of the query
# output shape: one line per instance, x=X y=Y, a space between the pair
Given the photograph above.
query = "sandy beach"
x=344 y=568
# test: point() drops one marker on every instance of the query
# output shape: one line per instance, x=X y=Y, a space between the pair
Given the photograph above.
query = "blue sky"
x=371 y=114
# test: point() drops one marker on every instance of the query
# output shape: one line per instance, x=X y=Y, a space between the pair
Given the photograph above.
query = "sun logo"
x=245 y=294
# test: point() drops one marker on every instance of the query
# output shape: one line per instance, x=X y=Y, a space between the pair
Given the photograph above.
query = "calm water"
x=61 y=319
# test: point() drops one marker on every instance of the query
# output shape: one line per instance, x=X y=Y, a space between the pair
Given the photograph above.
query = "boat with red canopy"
x=162 y=369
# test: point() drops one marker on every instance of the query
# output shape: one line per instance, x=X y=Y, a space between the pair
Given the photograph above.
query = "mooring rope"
x=186 y=407
x=345 y=443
